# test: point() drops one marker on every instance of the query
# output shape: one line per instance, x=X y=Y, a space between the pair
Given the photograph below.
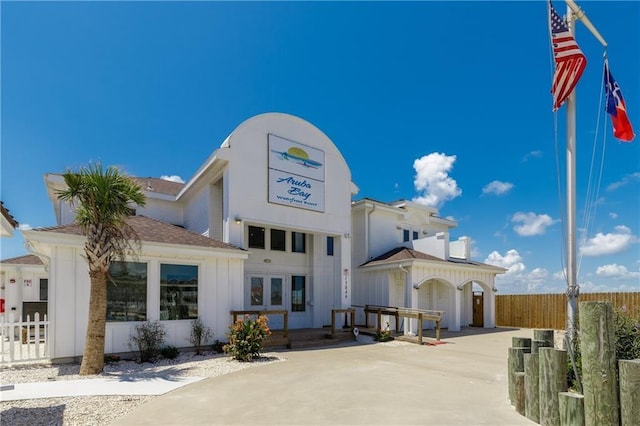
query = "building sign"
x=296 y=174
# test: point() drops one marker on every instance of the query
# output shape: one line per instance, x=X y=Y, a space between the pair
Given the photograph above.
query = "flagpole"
x=572 y=285
x=572 y=281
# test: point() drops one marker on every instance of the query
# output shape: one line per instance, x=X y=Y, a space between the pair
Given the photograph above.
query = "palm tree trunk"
x=93 y=356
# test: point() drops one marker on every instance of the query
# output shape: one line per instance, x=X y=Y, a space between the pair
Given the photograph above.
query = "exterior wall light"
x=238 y=220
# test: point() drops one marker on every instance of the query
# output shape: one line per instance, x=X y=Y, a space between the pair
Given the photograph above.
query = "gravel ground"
x=102 y=410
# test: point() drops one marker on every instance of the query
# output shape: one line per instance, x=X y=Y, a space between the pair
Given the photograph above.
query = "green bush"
x=627 y=326
x=218 y=346
x=148 y=339
x=200 y=335
x=111 y=359
x=246 y=338
x=383 y=335
x=169 y=352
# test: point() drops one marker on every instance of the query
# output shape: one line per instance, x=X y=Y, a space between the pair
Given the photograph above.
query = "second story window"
x=278 y=240
x=405 y=235
x=256 y=237
x=329 y=246
x=415 y=235
x=298 y=242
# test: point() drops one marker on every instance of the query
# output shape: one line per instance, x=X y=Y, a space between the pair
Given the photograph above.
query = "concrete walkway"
x=460 y=382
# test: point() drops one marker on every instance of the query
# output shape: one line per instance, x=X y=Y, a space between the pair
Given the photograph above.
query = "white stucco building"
x=266 y=222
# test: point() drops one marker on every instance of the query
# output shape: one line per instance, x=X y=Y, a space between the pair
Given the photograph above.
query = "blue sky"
x=446 y=103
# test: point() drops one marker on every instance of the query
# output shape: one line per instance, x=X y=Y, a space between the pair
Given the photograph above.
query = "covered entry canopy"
x=410 y=278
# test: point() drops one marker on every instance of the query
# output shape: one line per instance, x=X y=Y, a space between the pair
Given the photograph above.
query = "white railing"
x=24 y=340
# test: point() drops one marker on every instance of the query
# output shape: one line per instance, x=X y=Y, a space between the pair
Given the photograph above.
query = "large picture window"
x=298 y=293
x=178 y=292
x=127 y=292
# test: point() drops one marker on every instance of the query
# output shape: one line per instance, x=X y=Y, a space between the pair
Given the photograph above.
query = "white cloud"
x=611 y=243
x=498 y=188
x=613 y=215
x=512 y=261
x=630 y=178
x=517 y=279
x=432 y=179
x=531 y=224
x=25 y=227
x=172 y=178
x=616 y=271
x=532 y=154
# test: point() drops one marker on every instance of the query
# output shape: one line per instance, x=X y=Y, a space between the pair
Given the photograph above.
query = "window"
x=127 y=292
x=297 y=293
x=298 y=242
x=256 y=237
x=329 y=246
x=257 y=291
x=44 y=289
x=276 y=291
x=405 y=235
x=415 y=235
x=278 y=240
x=178 y=292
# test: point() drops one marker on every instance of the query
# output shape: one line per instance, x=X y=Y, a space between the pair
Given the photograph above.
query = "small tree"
x=103 y=201
x=200 y=335
x=148 y=339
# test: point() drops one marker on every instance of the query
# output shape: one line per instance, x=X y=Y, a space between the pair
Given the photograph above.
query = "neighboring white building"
x=267 y=222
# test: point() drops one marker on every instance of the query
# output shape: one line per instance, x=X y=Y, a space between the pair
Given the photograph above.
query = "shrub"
x=383 y=335
x=200 y=335
x=218 y=346
x=169 y=352
x=246 y=338
x=627 y=326
x=111 y=359
x=148 y=339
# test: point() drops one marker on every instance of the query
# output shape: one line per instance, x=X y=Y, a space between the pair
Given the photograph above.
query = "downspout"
x=367 y=234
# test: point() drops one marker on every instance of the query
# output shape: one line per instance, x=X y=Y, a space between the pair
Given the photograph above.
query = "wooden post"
x=516 y=365
x=420 y=328
x=532 y=387
x=629 y=392
x=597 y=345
x=379 y=320
x=353 y=318
x=333 y=322
x=553 y=380
x=519 y=393
x=571 y=407
x=545 y=336
x=366 y=316
x=285 y=333
x=520 y=342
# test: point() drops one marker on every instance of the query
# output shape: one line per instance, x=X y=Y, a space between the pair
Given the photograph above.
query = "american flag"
x=569 y=59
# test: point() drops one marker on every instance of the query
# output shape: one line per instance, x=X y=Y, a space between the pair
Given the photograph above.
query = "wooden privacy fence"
x=550 y=310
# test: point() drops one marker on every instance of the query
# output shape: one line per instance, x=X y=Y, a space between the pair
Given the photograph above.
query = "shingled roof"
x=28 y=259
x=5 y=212
x=153 y=230
x=160 y=186
x=399 y=254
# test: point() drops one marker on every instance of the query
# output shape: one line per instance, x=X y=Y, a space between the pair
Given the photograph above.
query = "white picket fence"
x=24 y=340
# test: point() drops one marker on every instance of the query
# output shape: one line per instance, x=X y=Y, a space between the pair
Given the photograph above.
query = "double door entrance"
x=279 y=292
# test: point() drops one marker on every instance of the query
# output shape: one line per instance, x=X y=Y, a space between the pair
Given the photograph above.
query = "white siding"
x=196 y=212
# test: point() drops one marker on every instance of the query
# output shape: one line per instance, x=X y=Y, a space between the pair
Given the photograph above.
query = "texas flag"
x=616 y=107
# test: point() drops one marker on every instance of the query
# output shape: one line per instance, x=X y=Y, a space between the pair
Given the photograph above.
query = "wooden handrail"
x=400 y=312
x=284 y=313
x=352 y=311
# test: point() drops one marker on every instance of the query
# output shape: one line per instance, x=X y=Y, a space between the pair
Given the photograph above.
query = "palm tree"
x=103 y=201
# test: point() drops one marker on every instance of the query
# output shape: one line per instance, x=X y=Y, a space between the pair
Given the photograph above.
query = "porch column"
x=454 y=317
x=490 y=308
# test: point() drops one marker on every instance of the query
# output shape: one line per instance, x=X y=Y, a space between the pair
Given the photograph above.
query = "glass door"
x=267 y=292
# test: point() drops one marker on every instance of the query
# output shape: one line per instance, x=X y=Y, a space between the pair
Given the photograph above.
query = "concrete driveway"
x=460 y=382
